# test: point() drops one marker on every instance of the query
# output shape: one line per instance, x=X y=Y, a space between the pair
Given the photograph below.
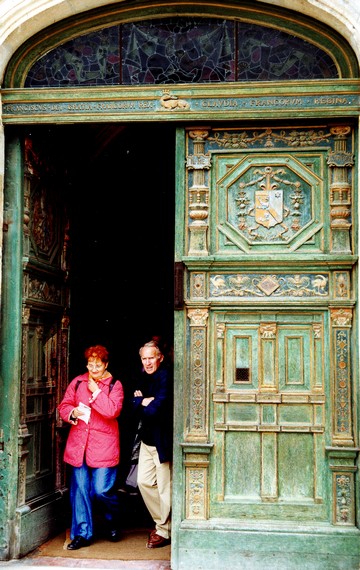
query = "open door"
x=98 y=268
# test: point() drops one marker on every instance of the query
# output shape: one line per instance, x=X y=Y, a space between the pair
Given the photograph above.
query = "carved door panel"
x=269 y=417
x=45 y=325
x=270 y=262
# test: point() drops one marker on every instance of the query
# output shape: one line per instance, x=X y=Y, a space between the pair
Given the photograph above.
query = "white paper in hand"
x=86 y=411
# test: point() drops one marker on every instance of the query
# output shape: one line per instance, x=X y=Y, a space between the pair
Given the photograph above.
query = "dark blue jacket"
x=156 y=418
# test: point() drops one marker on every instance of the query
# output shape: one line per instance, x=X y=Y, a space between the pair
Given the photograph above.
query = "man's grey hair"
x=151 y=344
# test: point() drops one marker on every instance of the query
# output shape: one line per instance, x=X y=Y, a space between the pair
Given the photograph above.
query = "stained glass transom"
x=181 y=50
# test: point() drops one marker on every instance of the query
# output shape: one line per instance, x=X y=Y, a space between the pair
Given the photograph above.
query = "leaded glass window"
x=180 y=50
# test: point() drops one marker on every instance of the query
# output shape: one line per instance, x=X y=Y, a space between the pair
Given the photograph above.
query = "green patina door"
x=269 y=440
x=265 y=265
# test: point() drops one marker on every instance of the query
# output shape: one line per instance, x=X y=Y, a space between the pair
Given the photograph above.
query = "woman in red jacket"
x=92 y=403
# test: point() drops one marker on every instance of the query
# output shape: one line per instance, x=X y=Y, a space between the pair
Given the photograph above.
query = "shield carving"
x=269 y=207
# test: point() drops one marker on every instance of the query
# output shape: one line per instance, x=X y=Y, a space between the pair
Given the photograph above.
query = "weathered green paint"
x=259 y=488
x=224 y=101
x=231 y=469
x=10 y=361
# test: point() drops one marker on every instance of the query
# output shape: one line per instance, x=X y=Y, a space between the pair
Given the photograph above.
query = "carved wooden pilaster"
x=318 y=385
x=197 y=449
x=268 y=357
x=198 y=205
x=220 y=337
x=63 y=378
x=23 y=434
x=341 y=320
x=343 y=467
x=196 y=480
x=340 y=162
x=198 y=430
x=26 y=219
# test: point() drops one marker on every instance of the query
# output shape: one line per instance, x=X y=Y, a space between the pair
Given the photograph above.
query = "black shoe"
x=78 y=542
x=114 y=535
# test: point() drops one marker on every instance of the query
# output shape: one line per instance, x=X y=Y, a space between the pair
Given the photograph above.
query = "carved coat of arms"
x=269 y=207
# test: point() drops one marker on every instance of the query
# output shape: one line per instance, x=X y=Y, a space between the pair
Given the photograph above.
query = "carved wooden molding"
x=341 y=319
x=198 y=389
x=198 y=202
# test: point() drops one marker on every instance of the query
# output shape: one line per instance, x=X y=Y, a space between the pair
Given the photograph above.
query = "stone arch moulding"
x=337 y=96
x=262 y=14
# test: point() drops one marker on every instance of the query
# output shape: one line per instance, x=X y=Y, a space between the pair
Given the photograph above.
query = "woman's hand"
x=92 y=385
x=76 y=413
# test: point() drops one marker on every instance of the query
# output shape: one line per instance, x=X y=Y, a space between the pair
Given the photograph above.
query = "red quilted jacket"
x=97 y=442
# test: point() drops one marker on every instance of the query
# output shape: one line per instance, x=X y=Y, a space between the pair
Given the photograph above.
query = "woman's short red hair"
x=97 y=351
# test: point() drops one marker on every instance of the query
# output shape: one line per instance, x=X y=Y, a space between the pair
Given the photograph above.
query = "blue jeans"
x=89 y=484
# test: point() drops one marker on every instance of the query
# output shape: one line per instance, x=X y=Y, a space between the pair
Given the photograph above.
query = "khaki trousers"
x=155 y=483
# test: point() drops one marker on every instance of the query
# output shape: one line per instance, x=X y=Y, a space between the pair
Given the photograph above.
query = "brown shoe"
x=157 y=541
x=152 y=532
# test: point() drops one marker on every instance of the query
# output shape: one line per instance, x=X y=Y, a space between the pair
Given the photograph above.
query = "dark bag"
x=131 y=479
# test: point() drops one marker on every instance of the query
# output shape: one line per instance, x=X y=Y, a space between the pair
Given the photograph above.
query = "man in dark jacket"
x=153 y=402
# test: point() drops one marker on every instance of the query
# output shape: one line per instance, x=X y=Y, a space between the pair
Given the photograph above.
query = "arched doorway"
x=213 y=256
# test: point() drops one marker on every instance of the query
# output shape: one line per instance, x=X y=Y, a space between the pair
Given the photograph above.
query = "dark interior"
x=122 y=236
x=120 y=196
x=122 y=239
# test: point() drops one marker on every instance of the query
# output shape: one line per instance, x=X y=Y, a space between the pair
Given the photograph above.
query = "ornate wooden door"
x=44 y=339
x=269 y=436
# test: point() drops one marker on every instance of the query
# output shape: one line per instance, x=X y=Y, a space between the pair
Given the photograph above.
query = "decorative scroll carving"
x=41 y=290
x=266 y=285
x=198 y=317
x=341 y=317
x=341 y=348
x=340 y=162
x=317 y=328
x=269 y=138
x=198 y=395
x=198 y=163
x=268 y=330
